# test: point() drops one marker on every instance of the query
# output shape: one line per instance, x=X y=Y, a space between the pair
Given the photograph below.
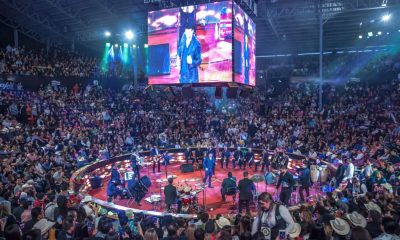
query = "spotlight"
x=387 y=33
x=379 y=33
x=108 y=44
x=129 y=35
x=386 y=17
x=107 y=33
x=370 y=34
x=146 y=45
x=116 y=45
x=360 y=36
x=134 y=45
x=384 y=3
x=125 y=45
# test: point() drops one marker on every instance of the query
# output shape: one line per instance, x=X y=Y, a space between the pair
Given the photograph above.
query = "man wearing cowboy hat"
x=340 y=226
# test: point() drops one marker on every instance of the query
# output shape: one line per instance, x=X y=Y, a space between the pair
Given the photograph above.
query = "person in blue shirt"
x=115 y=175
x=208 y=165
x=113 y=191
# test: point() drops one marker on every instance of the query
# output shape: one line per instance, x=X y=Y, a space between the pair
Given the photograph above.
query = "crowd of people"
x=54 y=63
x=47 y=134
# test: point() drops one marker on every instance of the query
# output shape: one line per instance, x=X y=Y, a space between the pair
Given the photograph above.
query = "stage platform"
x=209 y=198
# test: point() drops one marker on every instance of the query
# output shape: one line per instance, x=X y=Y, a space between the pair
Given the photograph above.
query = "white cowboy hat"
x=357 y=219
x=373 y=206
x=222 y=222
x=340 y=226
x=86 y=199
x=43 y=225
x=295 y=231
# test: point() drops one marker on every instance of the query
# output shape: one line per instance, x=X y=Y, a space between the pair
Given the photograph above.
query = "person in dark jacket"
x=339 y=175
x=246 y=189
x=287 y=182
x=227 y=185
x=237 y=158
x=113 y=191
x=155 y=155
x=115 y=175
x=305 y=181
x=36 y=214
x=189 y=155
x=225 y=157
x=208 y=165
x=171 y=195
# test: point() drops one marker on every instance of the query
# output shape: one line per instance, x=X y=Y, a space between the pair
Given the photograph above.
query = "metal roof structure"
x=283 y=26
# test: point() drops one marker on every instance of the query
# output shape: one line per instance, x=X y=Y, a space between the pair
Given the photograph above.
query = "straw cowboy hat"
x=222 y=222
x=373 y=206
x=340 y=226
x=295 y=231
x=357 y=219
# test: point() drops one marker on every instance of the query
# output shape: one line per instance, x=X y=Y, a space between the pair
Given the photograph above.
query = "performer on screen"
x=246 y=52
x=189 y=51
x=208 y=165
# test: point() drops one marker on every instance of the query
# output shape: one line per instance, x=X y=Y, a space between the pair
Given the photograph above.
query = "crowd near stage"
x=194 y=195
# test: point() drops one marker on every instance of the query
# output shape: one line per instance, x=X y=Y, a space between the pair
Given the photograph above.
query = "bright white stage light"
x=386 y=17
x=360 y=36
x=107 y=33
x=379 y=33
x=370 y=34
x=116 y=45
x=129 y=35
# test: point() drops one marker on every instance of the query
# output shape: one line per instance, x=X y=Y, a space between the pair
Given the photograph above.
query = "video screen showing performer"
x=191 y=44
x=245 y=42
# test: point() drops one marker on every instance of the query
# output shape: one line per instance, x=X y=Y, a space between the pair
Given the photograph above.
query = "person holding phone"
x=273 y=220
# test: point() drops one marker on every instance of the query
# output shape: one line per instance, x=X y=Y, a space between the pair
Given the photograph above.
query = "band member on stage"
x=305 y=181
x=135 y=163
x=225 y=157
x=229 y=184
x=237 y=158
x=171 y=196
x=213 y=151
x=113 y=191
x=208 y=164
x=199 y=155
x=271 y=218
x=264 y=161
x=166 y=158
x=155 y=155
x=189 y=155
x=287 y=182
x=246 y=189
x=248 y=158
x=115 y=175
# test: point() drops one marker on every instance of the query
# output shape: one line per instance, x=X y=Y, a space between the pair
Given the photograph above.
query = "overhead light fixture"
x=116 y=45
x=146 y=45
x=370 y=34
x=108 y=44
x=129 y=35
x=386 y=17
x=379 y=33
x=384 y=3
x=134 y=45
x=125 y=45
x=360 y=36
x=107 y=33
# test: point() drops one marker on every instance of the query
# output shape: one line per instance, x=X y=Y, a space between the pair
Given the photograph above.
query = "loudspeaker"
x=95 y=182
x=185 y=168
x=231 y=92
x=218 y=92
x=145 y=181
x=187 y=92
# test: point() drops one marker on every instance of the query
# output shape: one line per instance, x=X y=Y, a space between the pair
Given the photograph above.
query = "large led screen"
x=191 y=44
x=244 y=47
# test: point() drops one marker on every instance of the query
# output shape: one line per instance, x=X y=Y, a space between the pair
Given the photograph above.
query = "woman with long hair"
x=150 y=234
x=190 y=232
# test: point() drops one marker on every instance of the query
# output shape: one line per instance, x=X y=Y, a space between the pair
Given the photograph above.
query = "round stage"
x=194 y=195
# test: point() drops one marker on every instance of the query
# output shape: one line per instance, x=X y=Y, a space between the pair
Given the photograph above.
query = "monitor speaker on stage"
x=95 y=182
x=185 y=168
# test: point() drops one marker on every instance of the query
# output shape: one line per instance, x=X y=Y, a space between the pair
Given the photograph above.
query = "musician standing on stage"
x=135 y=163
x=305 y=181
x=287 y=182
x=248 y=158
x=166 y=158
x=246 y=188
x=208 y=164
x=227 y=185
x=199 y=155
x=238 y=156
x=213 y=151
x=188 y=155
x=155 y=155
x=264 y=161
x=225 y=157
x=171 y=196
x=115 y=175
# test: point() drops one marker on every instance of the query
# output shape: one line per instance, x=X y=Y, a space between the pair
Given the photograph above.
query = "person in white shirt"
x=348 y=175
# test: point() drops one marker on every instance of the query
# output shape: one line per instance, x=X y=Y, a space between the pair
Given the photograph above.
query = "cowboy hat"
x=222 y=222
x=357 y=219
x=43 y=225
x=373 y=206
x=295 y=231
x=340 y=226
x=87 y=198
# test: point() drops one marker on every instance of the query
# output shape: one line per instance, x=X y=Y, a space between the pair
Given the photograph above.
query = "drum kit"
x=187 y=194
